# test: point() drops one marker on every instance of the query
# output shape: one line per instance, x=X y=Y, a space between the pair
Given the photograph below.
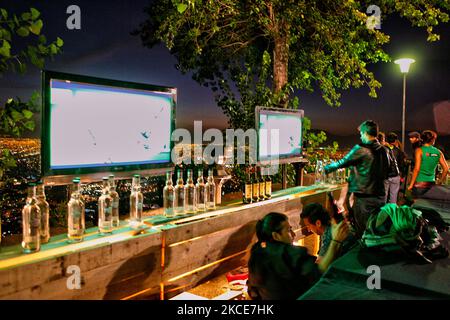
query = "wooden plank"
x=201 y=227
x=195 y=251
x=112 y=281
x=183 y=284
x=34 y=275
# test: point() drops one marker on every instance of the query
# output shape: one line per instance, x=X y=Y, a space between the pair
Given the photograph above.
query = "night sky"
x=104 y=48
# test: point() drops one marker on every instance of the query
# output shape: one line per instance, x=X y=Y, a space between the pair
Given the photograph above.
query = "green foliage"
x=321 y=43
x=16 y=116
x=26 y=25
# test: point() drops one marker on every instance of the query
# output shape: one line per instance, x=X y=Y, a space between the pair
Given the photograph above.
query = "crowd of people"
x=378 y=169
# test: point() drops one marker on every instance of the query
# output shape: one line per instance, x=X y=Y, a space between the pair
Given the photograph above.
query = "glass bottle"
x=31 y=222
x=268 y=184
x=320 y=173
x=255 y=186
x=262 y=186
x=189 y=200
x=136 y=202
x=210 y=188
x=75 y=214
x=178 y=206
x=105 y=207
x=115 y=202
x=247 y=188
x=45 y=212
x=168 y=196
x=200 y=192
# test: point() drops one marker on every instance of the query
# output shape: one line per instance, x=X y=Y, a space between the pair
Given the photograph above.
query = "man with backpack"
x=369 y=163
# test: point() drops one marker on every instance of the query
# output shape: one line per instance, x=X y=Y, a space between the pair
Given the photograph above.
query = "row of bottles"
x=256 y=187
x=35 y=218
x=189 y=198
x=35 y=214
x=108 y=208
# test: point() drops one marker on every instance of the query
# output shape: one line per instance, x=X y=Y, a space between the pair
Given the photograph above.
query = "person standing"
x=416 y=142
x=426 y=158
x=394 y=180
x=369 y=162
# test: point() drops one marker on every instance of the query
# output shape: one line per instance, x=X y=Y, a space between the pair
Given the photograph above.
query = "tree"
x=30 y=46
x=310 y=42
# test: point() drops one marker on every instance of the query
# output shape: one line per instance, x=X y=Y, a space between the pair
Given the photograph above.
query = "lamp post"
x=404 y=68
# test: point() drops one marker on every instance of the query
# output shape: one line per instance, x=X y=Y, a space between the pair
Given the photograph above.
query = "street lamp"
x=404 y=68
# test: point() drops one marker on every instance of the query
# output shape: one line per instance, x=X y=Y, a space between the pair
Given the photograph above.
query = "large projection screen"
x=279 y=134
x=98 y=125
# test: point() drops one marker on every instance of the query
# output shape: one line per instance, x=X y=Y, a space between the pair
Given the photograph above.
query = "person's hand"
x=410 y=187
x=339 y=232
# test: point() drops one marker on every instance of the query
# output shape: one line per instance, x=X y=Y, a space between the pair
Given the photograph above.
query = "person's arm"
x=417 y=163
x=444 y=166
x=339 y=233
x=348 y=160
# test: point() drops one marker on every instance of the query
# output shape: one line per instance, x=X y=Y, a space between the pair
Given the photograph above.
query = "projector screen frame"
x=282 y=159
x=92 y=174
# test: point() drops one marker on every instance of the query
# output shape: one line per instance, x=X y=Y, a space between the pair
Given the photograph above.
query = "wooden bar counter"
x=165 y=258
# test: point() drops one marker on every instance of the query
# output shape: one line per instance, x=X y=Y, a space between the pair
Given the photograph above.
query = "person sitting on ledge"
x=278 y=270
x=318 y=221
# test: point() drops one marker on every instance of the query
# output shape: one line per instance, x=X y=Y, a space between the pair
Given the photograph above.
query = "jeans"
x=363 y=207
x=392 y=185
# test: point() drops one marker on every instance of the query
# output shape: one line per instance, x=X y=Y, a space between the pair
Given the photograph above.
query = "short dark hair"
x=391 y=137
x=428 y=136
x=370 y=127
x=270 y=223
x=314 y=212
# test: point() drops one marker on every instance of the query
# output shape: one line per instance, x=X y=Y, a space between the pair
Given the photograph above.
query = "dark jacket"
x=393 y=170
x=370 y=166
x=280 y=271
x=400 y=157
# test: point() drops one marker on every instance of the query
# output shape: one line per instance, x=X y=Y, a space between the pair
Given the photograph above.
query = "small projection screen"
x=100 y=125
x=279 y=133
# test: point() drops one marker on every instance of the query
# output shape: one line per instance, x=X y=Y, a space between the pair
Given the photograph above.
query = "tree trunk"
x=280 y=65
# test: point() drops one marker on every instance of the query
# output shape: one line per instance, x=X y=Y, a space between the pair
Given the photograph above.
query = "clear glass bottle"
x=105 y=208
x=115 y=202
x=189 y=199
x=168 y=196
x=210 y=191
x=320 y=173
x=200 y=192
x=75 y=214
x=31 y=222
x=136 y=202
x=45 y=212
x=178 y=206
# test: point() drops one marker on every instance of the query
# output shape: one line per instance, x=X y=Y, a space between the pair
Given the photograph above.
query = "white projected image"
x=279 y=135
x=101 y=126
